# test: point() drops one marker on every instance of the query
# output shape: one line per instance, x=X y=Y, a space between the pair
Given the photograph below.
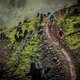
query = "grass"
x=29 y=54
x=67 y=24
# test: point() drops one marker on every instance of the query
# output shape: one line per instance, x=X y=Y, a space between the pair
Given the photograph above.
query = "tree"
x=78 y=2
x=73 y=33
x=18 y=3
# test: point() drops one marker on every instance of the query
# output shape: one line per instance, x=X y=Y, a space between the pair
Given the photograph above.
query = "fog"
x=13 y=11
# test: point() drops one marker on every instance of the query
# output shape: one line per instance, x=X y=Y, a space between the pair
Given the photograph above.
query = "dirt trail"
x=70 y=63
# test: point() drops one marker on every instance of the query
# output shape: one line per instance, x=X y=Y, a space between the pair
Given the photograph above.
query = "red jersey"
x=61 y=33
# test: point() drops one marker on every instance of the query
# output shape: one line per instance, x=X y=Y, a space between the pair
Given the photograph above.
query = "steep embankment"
x=31 y=48
x=13 y=11
x=67 y=57
x=68 y=19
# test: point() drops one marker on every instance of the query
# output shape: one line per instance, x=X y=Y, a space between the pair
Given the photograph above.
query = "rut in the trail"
x=70 y=63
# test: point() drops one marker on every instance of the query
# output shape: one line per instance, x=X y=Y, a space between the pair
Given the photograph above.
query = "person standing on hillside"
x=38 y=15
x=25 y=20
x=19 y=28
x=41 y=18
x=48 y=14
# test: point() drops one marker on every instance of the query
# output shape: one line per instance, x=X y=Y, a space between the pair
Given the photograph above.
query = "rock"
x=50 y=48
x=50 y=60
x=7 y=57
x=55 y=58
x=10 y=47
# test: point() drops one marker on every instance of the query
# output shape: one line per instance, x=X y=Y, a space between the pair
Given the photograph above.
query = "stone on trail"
x=10 y=47
x=55 y=58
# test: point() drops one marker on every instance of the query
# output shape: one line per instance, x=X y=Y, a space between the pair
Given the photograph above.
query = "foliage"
x=67 y=24
x=20 y=60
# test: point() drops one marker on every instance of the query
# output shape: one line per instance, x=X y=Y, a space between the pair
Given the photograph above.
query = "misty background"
x=13 y=11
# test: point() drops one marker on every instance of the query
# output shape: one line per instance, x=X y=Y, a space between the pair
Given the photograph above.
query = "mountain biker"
x=60 y=35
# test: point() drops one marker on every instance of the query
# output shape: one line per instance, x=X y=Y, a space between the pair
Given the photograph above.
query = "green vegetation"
x=70 y=23
x=67 y=24
x=20 y=60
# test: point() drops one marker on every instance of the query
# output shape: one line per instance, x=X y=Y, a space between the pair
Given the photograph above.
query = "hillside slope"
x=69 y=20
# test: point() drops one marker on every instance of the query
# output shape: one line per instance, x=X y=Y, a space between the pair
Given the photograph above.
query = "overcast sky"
x=48 y=5
x=31 y=7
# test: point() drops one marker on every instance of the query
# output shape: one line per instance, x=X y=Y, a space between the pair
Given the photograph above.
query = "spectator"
x=19 y=28
x=25 y=20
x=20 y=38
x=40 y=28
x=25 y=33
x=41 y=18
x=48 y=14
x=44 y=15
x=16 y=37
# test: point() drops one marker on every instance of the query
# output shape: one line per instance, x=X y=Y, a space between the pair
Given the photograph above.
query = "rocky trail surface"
x=64 y=52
